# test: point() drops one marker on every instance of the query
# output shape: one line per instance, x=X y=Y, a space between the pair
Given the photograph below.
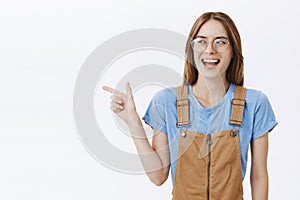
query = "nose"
x=209 y=48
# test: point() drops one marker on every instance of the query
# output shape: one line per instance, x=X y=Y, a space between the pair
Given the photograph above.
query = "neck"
x=210 y=91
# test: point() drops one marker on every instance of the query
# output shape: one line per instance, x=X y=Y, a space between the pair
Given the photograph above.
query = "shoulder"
x=252 y=95
x=165 y=95
x=256 y=98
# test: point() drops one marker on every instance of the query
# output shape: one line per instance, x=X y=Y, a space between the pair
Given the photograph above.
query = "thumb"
x=128 y=90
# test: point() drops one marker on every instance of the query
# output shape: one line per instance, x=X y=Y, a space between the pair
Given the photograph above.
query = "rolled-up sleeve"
x=155 y=113
x=264 y=118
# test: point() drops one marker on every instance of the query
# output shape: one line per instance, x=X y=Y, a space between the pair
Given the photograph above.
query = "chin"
x=210 y=72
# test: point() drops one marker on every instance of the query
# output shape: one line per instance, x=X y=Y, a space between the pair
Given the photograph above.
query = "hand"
x=122 y=104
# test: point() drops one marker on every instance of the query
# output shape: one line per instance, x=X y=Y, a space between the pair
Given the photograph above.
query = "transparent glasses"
x=219 y=44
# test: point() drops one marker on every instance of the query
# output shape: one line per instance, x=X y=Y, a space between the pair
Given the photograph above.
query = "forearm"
x=152 y=163
x=259 y=187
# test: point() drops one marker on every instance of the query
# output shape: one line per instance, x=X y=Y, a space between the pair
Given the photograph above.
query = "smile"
x=210 y=61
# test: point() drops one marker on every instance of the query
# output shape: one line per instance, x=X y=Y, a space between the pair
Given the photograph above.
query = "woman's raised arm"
x=155 y=159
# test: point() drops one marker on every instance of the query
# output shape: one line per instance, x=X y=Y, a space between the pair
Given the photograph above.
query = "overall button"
x=183 y=134
x=233 y=133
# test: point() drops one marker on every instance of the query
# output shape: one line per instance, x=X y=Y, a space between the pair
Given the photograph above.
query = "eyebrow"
x=219 y=37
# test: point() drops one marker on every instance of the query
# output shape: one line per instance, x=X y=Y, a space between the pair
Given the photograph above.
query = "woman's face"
x=212 y=51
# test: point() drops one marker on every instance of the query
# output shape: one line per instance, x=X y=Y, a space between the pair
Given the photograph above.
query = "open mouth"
x=210 y=61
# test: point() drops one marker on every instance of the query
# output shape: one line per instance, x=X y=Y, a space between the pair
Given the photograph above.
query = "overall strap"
x=182 y=104
x=238 y=105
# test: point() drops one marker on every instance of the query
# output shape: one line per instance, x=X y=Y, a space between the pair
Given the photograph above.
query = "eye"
x=200 y=41
x=221 y=41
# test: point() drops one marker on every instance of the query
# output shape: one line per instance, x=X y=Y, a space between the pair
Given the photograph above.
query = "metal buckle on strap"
x=238 y=102
x=182 y=102
x=182 y=123
x=234 y=120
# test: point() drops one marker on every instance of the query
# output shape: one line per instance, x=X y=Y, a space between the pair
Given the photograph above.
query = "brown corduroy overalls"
x=209 y=165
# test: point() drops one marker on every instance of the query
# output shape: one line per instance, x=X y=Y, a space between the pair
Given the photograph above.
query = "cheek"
x=225 y=63
x=227 y=59
x=197 y=59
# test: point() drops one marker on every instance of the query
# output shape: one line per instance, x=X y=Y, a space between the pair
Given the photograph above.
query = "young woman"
x=203 y=129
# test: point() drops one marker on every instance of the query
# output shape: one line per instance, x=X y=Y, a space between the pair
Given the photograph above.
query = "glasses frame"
x=208 y=42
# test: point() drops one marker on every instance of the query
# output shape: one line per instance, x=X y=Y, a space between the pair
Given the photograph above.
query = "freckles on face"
x=216 y=51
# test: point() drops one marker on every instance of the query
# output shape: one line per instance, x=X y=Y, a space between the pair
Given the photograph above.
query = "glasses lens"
x=220 y=45
x=199 y=45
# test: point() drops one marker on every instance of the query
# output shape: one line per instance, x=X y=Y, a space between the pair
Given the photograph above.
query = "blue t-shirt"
x=258 y=119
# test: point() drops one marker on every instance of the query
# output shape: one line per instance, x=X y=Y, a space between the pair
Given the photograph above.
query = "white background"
x=42 y=47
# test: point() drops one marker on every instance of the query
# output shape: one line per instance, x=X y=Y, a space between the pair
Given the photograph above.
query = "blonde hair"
x=235 y=71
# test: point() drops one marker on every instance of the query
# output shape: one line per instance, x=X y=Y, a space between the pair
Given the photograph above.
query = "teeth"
x=210 y=61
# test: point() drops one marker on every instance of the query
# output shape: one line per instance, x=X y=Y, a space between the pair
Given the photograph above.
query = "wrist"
x=133 y=120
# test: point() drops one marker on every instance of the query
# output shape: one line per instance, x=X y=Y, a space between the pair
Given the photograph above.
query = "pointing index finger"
x=108 y=89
